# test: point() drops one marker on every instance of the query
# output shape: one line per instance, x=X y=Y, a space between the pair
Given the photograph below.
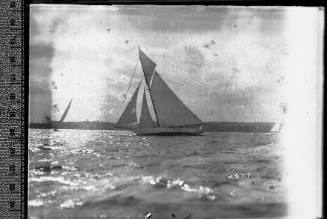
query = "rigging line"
x=130 y=82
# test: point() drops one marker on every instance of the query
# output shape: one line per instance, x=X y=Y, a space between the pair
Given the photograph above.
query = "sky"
x=227 y=64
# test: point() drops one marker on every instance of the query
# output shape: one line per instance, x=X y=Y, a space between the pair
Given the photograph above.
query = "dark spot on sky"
x=209 y=44
x=126 y=41
x=55 y=108
x=235 y=70
x=108 y=29
x=235 y=25
x=54 y=86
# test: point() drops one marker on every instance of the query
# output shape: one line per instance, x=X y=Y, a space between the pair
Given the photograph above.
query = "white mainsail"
x=145 y=118
x=129 y=114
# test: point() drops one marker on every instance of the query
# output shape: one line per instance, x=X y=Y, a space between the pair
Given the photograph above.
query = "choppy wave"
x=170 y=183
x=35 y=203
x=104 y=173
x=58 y=179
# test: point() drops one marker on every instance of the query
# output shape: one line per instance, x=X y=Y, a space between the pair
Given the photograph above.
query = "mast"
x=152 y=72
x=154 y=108
x=130 y=82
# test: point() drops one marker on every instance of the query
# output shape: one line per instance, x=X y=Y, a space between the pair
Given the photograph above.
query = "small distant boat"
x=172 y=116
x=277 y=127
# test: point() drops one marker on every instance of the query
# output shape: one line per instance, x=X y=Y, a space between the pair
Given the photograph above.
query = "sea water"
x=116 y=174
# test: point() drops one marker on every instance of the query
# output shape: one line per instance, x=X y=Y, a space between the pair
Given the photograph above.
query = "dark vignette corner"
x=25 y=50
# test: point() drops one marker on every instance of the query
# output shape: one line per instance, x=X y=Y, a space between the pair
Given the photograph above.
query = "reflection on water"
x=115 y=174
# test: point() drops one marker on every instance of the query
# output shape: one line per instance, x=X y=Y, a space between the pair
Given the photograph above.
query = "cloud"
x=194 y=59
x=40 y=94
x=216 y=54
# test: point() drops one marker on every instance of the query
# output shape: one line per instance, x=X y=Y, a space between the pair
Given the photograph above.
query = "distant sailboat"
x=278 y=126
x=57 y=124
x=171 y=114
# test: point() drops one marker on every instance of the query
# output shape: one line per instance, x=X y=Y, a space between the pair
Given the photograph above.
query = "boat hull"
x=167 y=131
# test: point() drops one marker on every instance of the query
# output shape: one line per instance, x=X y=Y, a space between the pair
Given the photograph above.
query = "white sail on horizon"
x=278 y=125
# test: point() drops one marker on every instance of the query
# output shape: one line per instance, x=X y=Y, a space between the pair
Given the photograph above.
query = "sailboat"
x=172 y=116
x=57 y=124
x=278 y=126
